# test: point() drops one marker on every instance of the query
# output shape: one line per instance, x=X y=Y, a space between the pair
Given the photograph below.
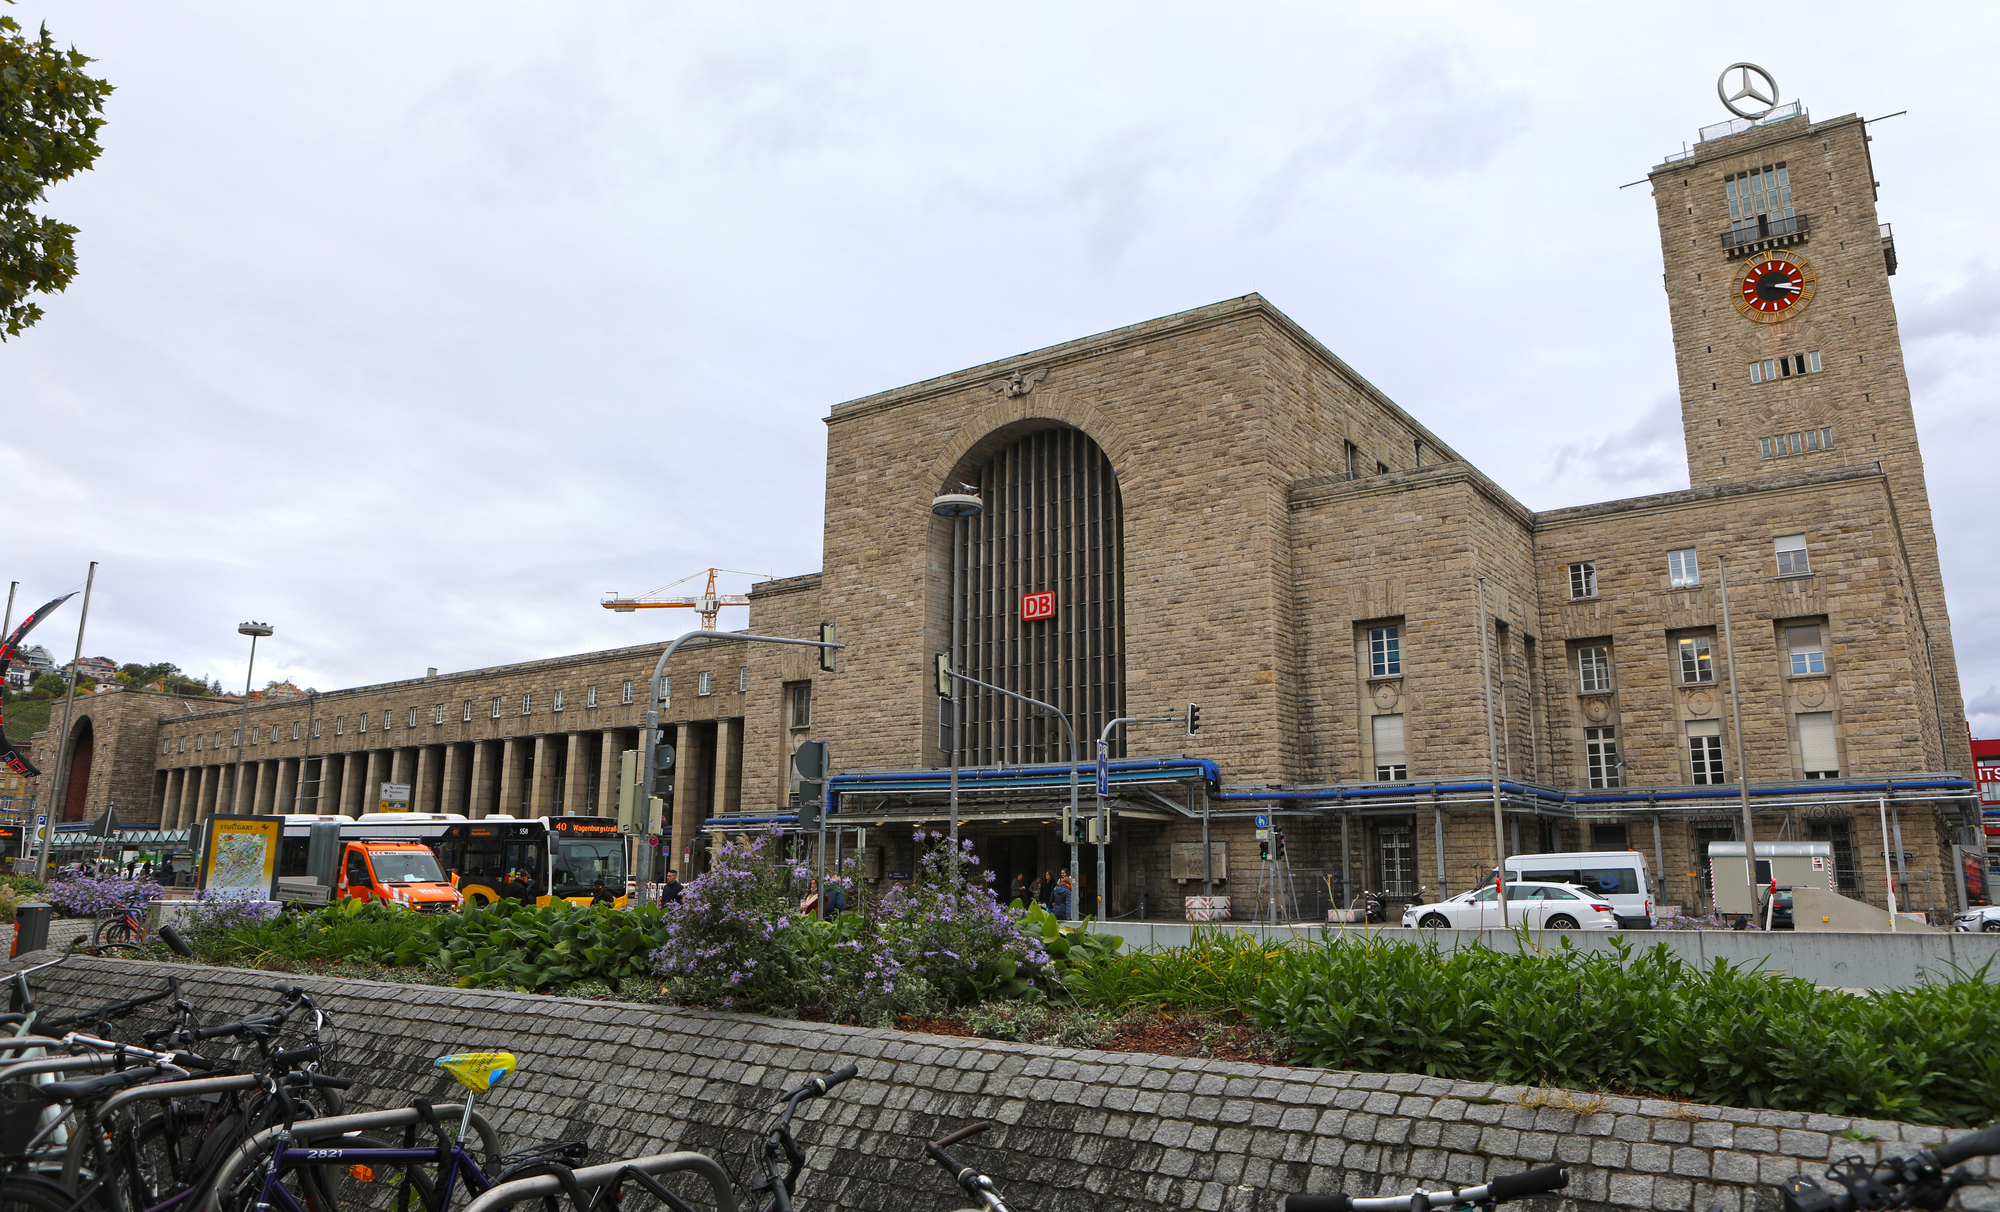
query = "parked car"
x=1541 y=906
x=1985 y=919
x=1781 y=909
x=1619 y=878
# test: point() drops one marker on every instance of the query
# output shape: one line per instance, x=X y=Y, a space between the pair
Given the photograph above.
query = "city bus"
x=529 y=859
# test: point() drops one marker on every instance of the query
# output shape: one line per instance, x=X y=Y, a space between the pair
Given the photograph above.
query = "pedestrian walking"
x=670 y=893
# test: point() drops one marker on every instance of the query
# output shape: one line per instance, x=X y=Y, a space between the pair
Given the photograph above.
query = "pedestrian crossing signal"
x=1193 y=719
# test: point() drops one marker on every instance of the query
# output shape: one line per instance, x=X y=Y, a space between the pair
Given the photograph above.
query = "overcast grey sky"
x=413 y=328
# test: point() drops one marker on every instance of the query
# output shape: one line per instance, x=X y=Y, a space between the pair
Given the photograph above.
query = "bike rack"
x=592 y=1177
x=73 y=1158
x=340 y=1125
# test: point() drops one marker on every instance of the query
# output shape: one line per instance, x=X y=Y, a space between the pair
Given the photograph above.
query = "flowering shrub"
x=948 y=928
x=83 y=896
x=728 y=943
x=215 y=913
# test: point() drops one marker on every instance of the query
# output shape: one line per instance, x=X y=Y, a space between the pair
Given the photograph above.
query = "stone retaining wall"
x=1076 y=1130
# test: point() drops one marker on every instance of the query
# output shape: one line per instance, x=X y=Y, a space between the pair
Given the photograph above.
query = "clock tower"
x=1785 y=337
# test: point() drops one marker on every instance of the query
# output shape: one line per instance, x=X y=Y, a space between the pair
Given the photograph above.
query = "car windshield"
x=1558 y=894
x=407 y=867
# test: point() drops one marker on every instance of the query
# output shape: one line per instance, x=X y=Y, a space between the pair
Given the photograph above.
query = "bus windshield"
x=407 y=867
x=581 y=863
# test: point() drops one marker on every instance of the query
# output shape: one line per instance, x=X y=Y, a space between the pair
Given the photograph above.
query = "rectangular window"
x=316 y=724
x=1705 y=752
x=590 y=696
x=388 y=719
x=1381 y=469
x=295 y=730
x=437 y=714
x=1808 y=656
x=1683 y=567
x=496 y=709
x=1390 y=763
x=413 y=717
x=1593 y=670
x=528 y=703
x=702 y=683
x=466 y=713
x=1600 y=751
x=236 y=739
x=743 y=679
x=364 y=722
x=802 y=705
x=1353 y=461
x=339 y=724
x=1764 y=447
x=1846 y=875
x=1398 y=848
x=556 y=704
x=1792 y=561
x=1697 y=655
x=1760 y=203
x=1819 y=754
x=628 y=692
x=1583 y=580
x=666 y=688
x=1611 y=837
x=1385 y=652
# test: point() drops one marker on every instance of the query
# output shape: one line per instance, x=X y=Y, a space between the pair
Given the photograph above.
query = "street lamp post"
x=957 y=506
x=255 y=631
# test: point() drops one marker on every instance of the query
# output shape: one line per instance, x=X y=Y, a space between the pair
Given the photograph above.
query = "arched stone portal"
x=1053 y=523
x=76 y=792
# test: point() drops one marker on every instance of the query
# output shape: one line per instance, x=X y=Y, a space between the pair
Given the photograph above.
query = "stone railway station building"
x=1228 y=514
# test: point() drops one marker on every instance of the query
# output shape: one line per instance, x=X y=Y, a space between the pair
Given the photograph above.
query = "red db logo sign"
x=1038 y=606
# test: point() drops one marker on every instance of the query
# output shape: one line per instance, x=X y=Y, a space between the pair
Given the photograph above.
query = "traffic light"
x=829 y=658
x=663 y=771
x=809 y=804
x=1263 y=850
x=629 y=787
x=1069 y=829
x=1193 y=719
x=943 y=676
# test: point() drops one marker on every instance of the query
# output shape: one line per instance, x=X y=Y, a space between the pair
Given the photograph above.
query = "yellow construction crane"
x=710 y=603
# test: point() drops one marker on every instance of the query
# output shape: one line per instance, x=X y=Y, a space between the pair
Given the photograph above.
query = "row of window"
x=1803 y=442
x=1805 y=652
x=1684 y=566
x=1819 y=751
x=1760 y=202
x=1790 y=366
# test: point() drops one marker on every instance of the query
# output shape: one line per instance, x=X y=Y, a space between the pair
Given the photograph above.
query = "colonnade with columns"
x=550 y=774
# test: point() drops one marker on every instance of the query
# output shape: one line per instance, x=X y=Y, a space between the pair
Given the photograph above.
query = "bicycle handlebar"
x=1506 y=1187
x=1978 y=1144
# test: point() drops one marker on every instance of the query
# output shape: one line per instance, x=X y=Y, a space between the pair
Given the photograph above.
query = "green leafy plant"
x=352 y=930
x=550 y=947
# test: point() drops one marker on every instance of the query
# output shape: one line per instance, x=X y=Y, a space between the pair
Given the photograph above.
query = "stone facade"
x=1375 y=631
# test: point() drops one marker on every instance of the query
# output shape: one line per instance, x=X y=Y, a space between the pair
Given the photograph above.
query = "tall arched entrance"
x=76 y=792
x=1052 y=523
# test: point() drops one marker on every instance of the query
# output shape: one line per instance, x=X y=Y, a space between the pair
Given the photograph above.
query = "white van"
x=1619 y=876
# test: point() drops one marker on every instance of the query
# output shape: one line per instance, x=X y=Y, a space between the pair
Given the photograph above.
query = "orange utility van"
x=396 y=873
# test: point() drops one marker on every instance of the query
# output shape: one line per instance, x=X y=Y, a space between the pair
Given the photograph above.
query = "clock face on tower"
x=1774 y=286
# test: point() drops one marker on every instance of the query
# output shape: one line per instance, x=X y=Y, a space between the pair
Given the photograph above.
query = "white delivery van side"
x=1619 y=876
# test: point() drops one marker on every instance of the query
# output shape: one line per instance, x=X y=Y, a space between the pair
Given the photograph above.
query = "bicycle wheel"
x=326 y=1187
x=27 y=1193
x=113 y=929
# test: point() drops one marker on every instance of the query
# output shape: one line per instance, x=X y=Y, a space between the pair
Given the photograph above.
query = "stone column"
x=326 y=790
x=610 y=748
x=728 y=765
x=421 y=799
x=451 y=793
x=283 y=795
x=353 y=782
x=399 y=770
x=479 y=779
x=542 y=787
x=576 y=778
x=371 y=787
x=260 y=789
x=510 y=774
x=686 y=812
x=170 y=799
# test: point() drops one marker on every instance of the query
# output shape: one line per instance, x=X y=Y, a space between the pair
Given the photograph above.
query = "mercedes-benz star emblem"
x=1747 y=89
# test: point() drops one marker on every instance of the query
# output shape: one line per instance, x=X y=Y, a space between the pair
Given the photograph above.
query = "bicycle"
x=977 y=1185
x=1507 y=1187
x=603 y=1188
x=1923 y=1180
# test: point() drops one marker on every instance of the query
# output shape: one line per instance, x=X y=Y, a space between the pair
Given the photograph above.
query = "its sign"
x=395 y=797
x=1038 y=606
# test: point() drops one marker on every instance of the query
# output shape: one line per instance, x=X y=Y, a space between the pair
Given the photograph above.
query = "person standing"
x=1036 y=895
x=1049 y=891
x=670 y=892
x=1063 y=896
x=1020 y=892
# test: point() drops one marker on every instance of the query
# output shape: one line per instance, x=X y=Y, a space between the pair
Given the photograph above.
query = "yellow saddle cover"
x=477 y=1070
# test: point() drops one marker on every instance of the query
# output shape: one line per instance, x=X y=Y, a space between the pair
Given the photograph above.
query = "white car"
x=1541 y=906
x=1985 y=919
